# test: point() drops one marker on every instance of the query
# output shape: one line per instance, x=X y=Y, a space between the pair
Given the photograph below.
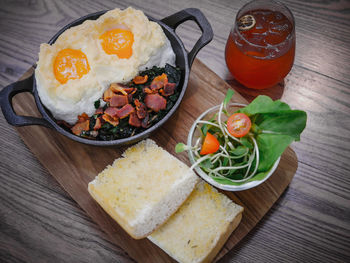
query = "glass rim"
x=291 y=35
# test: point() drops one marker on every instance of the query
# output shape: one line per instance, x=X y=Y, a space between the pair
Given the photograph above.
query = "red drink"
x=260 y=53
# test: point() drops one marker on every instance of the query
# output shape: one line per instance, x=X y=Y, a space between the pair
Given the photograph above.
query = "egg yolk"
x=117 y=42
x=70 y=64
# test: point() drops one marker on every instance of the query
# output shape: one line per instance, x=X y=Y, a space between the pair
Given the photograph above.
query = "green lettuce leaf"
x=228 y=96
x=275 y=126
x=291 y=122
x=271 y=147
x=264 y=104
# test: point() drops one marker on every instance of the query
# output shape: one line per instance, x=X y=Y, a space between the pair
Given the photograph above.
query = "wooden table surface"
x=39 y=222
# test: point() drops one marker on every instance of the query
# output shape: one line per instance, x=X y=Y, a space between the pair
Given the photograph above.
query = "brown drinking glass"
x=261 y=46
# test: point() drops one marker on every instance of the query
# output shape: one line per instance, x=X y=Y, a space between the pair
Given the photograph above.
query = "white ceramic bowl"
x=205 y=116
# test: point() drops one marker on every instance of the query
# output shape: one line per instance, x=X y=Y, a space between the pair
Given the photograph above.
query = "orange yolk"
x=117 y=42
x=70 y=64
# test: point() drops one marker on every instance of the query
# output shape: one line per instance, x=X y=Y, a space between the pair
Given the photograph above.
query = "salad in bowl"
x=235 y=146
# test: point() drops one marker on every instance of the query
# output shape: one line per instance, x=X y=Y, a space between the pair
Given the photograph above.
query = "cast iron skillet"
x=184 y=61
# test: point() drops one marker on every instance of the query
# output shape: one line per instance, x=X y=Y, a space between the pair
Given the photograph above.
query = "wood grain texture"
x=310 y=222
x=74 y=165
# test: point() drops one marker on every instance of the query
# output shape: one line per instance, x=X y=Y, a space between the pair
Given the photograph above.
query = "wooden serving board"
x=74 y=164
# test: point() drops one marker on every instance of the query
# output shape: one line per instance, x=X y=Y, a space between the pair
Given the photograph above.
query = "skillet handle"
x=6 y=96
x=197 y=16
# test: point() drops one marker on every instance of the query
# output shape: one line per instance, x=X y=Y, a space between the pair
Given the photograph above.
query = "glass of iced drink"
x=261 y=46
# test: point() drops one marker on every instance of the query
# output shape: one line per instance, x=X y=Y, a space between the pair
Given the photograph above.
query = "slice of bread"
x=144 y=188
x=199 y=229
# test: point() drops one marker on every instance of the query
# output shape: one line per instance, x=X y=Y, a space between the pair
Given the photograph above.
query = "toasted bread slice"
x=144 y=188
x=199 y=229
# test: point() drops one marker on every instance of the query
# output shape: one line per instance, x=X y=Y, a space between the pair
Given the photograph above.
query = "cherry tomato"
x=238 y=125
x=210 y=144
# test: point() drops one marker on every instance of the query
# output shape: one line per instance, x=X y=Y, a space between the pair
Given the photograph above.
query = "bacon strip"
x=163 y=78
x=80 y=126
x=140 y=79
x=98 y=124
x=99 y=111
x=125 y=111
x=140 y=109
x=159 y=82
x=121 y=88
x=107 y=95
x=130 y=90
x=134 y=120
x=150 y=91
x=117 y=87
x=83 y=117
x=111 y=111
x=168 y=89
x=111 y=120
x=118 y=100
x=156 y=85
x=155 y=102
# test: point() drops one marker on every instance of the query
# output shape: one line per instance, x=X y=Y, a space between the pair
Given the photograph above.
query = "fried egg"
x=74 y=72
x=127 y=42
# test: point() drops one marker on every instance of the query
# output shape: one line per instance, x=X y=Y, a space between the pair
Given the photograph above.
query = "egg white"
x=161 y=57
